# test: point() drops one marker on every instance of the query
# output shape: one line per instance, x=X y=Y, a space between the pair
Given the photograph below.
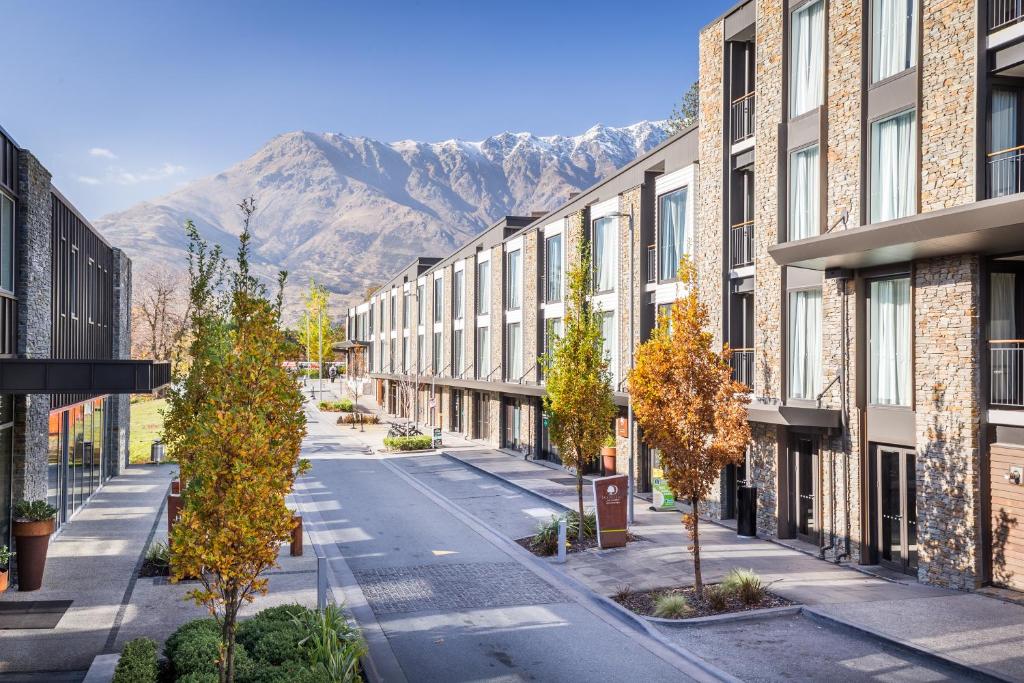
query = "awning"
x=792 y=416
x=52 y=376
x=992 y=226
x=349 y=344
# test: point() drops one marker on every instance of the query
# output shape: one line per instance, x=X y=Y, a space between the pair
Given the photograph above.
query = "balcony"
x=1006 y=368
x=1004 y=171
x=742 y=362
x=741 y=251
x=743 y=117
x=1003 y=13
x=652 y=264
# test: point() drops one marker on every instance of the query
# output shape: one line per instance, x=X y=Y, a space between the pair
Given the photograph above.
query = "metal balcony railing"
x=1002 y=13
x=743 y=118
x=1006 y=372
x=1005 y=171
x=742 y=362
x=652 y=264
x=741 y=252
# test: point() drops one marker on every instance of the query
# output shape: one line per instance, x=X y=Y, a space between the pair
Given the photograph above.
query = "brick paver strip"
x=472 y=585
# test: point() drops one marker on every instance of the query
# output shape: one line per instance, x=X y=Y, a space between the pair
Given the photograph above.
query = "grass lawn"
x=147 y=423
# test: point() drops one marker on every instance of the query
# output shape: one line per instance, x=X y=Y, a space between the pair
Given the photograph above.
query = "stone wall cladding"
x=948 y=112
x=762 y=464
x=120 y=405
x=710 y=192
x=843 y=145
x=629 y=204
x=946 y=383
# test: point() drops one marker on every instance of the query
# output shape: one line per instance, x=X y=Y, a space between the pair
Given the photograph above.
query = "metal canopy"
x=53 y=376
x=792 y=416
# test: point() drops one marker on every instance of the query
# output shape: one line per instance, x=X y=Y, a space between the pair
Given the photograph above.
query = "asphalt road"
x=448 y=598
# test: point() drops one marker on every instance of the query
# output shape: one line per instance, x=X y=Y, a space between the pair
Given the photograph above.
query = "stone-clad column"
x=120 y=404
x=33 y=287
x=532 y=334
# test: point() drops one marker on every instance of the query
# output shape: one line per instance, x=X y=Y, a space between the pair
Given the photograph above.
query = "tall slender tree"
x=579 y=400
x=689 y=406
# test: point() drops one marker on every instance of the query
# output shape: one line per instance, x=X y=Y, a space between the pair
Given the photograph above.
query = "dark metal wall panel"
x=83 y=292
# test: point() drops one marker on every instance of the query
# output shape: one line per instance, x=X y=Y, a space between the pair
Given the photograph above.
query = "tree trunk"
x=579 y=496
x=698 y=583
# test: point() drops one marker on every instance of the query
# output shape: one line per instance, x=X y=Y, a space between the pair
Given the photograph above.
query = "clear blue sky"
x=124 y=101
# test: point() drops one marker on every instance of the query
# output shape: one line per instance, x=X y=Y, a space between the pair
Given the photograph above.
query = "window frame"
x=794 y=9
x=12 y=257
x=815 y=144
x=593 y=254
x=547 y=268
x=894 y=274
x=820 y=289
x=914 y=43
x=686 y=249
x=915 y=158
x=514 y=289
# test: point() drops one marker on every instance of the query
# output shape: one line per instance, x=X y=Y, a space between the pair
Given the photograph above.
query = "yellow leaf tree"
x=236 y=427
x=688 y=404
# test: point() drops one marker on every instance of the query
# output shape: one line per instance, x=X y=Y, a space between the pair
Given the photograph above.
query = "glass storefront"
x=77 y=455
x=6 y=466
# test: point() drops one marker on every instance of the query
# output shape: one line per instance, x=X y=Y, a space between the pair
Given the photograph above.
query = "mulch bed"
x=154 y=569
x=643 y=602
x=589 y=543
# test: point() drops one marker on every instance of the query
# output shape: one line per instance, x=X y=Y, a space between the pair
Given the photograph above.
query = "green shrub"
x=137 y=663
x=360 y=417
x=195 y=648
x=332 y=645
x=717 y=598
x=672 y=606
x=746 y=585
x=197 y=628
x=545 y=540
x=159 y=555
x=288 y=672
x=342 y=406
x=199 y=677
x=34 y=511
x=272 y=636
x=408 y=443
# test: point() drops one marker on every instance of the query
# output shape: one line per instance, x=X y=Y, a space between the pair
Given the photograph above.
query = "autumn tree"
x=160 y=312
x=690 y=408
x=578 y=399
x=235 y=424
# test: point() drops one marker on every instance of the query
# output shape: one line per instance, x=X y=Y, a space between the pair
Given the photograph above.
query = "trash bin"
x=746 y=517
x=156 y=452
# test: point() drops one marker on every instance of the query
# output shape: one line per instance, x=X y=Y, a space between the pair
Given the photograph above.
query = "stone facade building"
x=852 y=196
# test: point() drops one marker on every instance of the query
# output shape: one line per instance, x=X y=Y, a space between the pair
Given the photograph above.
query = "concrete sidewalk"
x=967 y=628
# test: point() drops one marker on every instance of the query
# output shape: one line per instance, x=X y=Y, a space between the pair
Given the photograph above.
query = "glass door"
x=896 y=508
x=803 y=487
x=456 y=410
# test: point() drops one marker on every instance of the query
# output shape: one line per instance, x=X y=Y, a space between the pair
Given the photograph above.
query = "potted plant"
x=33 y=524
x=5 y=565
x=608 y=454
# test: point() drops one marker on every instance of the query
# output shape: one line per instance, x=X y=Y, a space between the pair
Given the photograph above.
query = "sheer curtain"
x=804 y=194
x=515 y=352
x=604 y=254
x=805 y=344
x=1003 y=314
x=1003 y=167
x=554 y=264
x=483 y=352
x=893 y=173
x=514 y=276
x=673 y=237
x=890 y=342
x=483 y=280
x=806 y=59
x=893 y=44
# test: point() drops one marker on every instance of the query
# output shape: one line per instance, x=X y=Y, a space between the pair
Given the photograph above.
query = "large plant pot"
x=4 y=580
x=32 y=540
x=608 y=459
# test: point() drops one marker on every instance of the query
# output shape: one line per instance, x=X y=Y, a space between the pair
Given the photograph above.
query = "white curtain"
x=1003 y=168
x=804 y=194
x=890 y=342
x=893 y=173
x=806 y=58
x=457 y=295
x=604 y=254
x=514 y=277
x=483 y=352
x=515 y=352
x=457 y=362
x=554 y=263
x=1003 y=314
x=805 y=344
x=483 y=279
x=893 y=43
x=673 y=238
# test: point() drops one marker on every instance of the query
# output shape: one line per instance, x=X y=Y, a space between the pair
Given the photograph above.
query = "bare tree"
x=160 y=313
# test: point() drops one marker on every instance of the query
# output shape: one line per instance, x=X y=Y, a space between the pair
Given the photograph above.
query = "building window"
x=806 y=58
x=553 y=269
x=405 y=310
x=73 y=283
x=672 y=236
x=805 y=344
x=436 y=359
x=893 y=171
x=483 y=288
x=483 y=352
x=405 y=355
x=421 y=304
x=393 y=302
x=421 y=353
x=458 y=284
x=893 y=44
x=1005 y=155
x=608 y=341
x=6 y=243
x=438 y=299
x=391 y=355
x=553 y=330
x=513 y=280
x=458 y=362
x=889 y=343
x=804 y=194
x=514 y=352
x=603 y=245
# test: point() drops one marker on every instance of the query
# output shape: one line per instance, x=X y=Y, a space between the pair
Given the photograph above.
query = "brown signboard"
x=611 y=502
x=622 y=427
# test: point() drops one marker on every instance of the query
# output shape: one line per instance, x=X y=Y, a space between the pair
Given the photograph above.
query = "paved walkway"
x=967 y=628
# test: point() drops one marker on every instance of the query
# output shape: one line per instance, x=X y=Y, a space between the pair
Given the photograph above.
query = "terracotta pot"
x=32 y=540
x=4 y=580
x=608 y=459
x=173 y=510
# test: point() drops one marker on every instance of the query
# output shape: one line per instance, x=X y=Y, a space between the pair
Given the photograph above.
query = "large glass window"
x=513 y=279
x=893 y=47
x=483 y=288
x=805 y=344
x=804 y=194
x=483 y=352
x=514 y=352
x=1005 y=155
x=553 y=268
x=806 y=73
x=889 y=344
x=405 y=354
x=438 y=299
x=421 y=304
x=608 y=340
x=405 y=309
x=54 y=460
x=603 y=245
x=893 y=171
x=672 y=233
x=6 y=243
x=553 y=329
x=436 y=360
x=1003 y=306
x=458 y=283
x=421 y=353
x=458 y=362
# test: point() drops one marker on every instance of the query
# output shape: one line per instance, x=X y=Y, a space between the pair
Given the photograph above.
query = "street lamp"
x=630 y=488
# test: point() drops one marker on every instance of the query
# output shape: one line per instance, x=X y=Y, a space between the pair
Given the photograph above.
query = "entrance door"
x=456 y=413
x=735 y=476
x=512 y=423
x=481 y=419
x=896 y=508
x=803 y=488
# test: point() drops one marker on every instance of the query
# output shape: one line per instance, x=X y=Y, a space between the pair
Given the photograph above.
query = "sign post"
x=610 y=501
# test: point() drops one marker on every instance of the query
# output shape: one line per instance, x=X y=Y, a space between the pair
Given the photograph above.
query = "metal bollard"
x=321 y=583
x=561 y=540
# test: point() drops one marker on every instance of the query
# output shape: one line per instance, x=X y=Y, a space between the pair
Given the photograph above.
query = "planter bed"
x=643 y=602
x=589 y=543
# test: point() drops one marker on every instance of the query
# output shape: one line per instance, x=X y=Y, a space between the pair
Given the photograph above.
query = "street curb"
x=514 y=485
x=749 y=615
x=975 y=673
x=597 y=604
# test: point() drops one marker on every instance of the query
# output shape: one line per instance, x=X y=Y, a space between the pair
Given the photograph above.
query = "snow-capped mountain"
x=349 y=211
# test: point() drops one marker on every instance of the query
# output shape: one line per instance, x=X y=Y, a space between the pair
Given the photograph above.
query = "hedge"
x=342 y=406
x=408 y=443
x=137 y=663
